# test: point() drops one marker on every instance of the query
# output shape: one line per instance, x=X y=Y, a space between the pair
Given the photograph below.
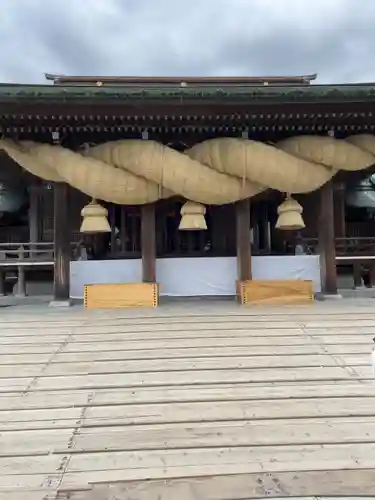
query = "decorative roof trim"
x=183 y=81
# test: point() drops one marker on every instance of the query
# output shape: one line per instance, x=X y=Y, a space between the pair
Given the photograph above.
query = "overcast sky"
x=335 y=38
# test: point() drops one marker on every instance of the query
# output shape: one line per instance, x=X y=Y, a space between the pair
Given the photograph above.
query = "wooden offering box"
x=122 y=295
x=269 y=292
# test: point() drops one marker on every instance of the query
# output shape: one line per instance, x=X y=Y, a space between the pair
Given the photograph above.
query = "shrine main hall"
x=193 y=184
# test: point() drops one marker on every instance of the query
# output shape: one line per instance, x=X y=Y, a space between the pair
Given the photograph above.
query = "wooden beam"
x=243 y=238
x=62 y=242
x=326 y=239
x=148 y=243
x=25 y=111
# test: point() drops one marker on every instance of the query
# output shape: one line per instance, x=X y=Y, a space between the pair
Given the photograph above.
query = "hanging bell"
x=94 y=219
x=289 y=215
x=192 y=217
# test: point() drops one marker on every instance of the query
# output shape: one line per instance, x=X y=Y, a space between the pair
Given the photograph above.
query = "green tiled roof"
x=86 y=94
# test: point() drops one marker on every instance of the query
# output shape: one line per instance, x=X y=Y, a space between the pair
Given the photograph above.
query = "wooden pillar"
x=20 y=290
x=265 y=229
x=243 y=238
x=34 y=214
x=61 y=242
x=326 y=238
x=339 y=210
x=112 y=223
x=2 y=282
x=148 y=243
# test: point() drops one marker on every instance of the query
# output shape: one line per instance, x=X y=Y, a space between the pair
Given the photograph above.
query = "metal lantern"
x=362 y=195
x=11 y=200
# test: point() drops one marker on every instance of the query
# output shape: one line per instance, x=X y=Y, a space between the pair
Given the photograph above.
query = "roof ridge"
x=181 y=80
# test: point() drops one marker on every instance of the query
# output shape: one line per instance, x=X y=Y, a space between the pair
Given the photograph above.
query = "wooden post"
x=243 y=240
x=148 y=243
x=34 y=217
x=326 y=237
x=62 y=242
x=265 y=228
x=21 y=279
x=339 y=210
x=2 y=282
x=21 y=282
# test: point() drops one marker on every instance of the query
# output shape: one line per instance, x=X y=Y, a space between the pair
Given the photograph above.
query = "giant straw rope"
x=214 y=172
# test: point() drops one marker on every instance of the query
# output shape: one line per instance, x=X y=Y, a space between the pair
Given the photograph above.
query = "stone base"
x=359 y=293
x=328 y=296
x=332 y=296
x=60 y=303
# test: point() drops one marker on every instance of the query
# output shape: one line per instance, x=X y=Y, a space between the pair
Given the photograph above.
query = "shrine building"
x=196 y=184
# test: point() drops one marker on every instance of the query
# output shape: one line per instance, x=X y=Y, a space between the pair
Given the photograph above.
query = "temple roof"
x=214 y=93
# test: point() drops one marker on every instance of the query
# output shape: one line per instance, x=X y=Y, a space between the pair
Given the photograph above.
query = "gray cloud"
x=201 y=37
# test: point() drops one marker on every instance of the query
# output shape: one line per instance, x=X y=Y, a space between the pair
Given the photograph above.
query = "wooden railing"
x=360 y=229
x=353 y=246
x=21 y=256
x=357 y=253
x=26 y=253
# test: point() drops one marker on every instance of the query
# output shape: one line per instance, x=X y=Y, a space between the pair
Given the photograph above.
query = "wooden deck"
x=208 y=401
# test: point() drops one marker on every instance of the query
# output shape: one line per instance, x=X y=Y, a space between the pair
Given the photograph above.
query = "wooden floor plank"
x=22 y=483
x=208 y=330
x=29 y=340
x=136 y=414
x=186 y=377
x=186 y=412
x=14 y=466
x=131 y=466
x=211 y=351
x=37 y=442
x=201 y=334
x=9 y=384
x=185 y=436
x=25 y=418
x=35 y=494
x=247 y=486
x=150 y=395
x=133 y=414
x=281 y=458
x=214 y=400
x=181 y=364
x=35 y=348
x=226 y=410
x=214 y=434
x=244 y=342
x=193 y=352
